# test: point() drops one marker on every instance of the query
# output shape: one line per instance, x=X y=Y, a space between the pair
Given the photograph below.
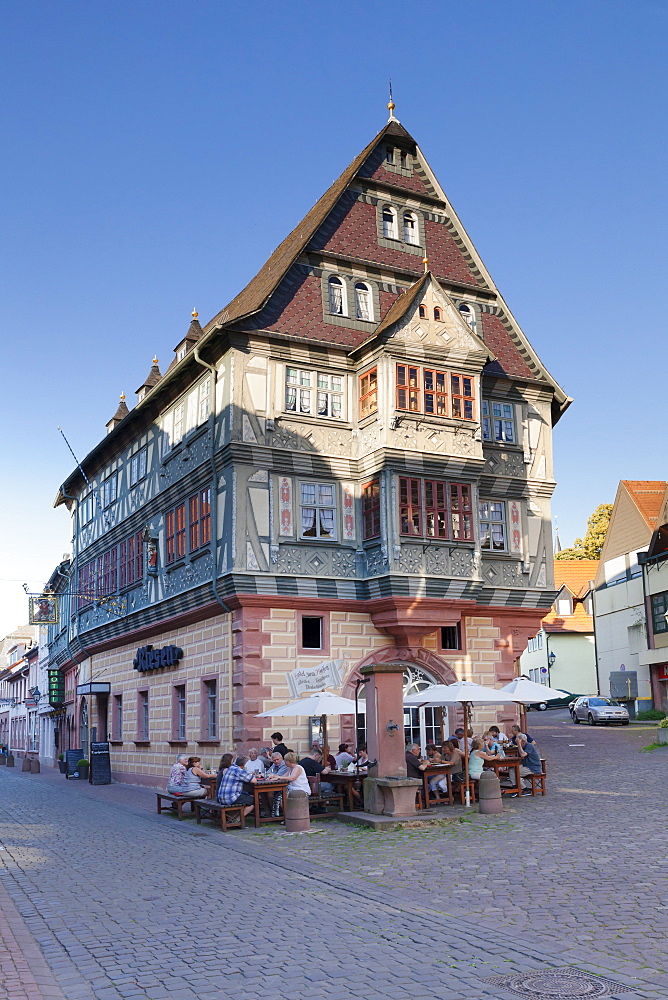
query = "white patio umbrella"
x=464 y=693
x=322 y=703
x=526 y=692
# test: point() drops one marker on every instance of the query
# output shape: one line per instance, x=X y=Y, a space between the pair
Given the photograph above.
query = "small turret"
x=120 y=413
x=152 y=380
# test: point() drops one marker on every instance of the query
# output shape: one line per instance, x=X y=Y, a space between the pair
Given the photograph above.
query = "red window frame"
x=410 y=506
x=199 y=510
x=462 y=397
x=176 y=533
x=408 y=388
x=435 y=392
x=461 y=512
x=368 y=392
x=436 y=509
x=371 y=509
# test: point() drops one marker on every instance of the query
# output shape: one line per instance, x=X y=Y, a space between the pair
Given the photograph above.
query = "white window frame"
x=318 y=503
x=335 y=281
x=314 y=391
x=492 y=515
x=204 y=401
x=110 y=490
x=408 y=215
x=137 y=466
x=390 y=227
x=498 y=422
x=363 y=293
x=86 y=508
x=467 y=313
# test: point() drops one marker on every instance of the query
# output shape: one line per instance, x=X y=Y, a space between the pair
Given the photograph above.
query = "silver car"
x=594 y=709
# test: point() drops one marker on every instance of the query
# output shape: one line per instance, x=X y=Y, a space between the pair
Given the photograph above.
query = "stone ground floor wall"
x=249 y=655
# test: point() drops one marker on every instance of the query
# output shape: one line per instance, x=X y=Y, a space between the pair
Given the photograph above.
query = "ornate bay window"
x=435 y=509
x=318 y=510
x=315 y=393
x=425 y=390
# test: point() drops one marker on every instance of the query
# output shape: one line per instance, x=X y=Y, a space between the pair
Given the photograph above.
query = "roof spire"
x=194 y=314
x=425 y=261
x=391 y=106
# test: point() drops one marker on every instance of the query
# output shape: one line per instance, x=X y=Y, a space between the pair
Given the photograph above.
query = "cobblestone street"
x=102 y=899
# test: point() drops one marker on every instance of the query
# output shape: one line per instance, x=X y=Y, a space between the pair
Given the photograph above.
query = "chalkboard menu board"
x=100 y=765
x=72 y=758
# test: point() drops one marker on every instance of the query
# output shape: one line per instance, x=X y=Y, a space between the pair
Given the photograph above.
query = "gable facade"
x=354 y=454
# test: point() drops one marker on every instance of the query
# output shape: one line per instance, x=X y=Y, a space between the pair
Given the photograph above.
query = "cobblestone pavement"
x=108 y=901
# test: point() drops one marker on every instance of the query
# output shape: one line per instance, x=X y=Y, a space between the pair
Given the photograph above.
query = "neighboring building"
x=17 y=652
x=653 y=656
x=619 y=596
x=351 y=462
x=562 y=654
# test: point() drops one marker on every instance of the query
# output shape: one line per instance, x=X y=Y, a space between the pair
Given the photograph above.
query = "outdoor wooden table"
x=347 y=779
x=269 y=785
x=440 y=770
x=507 y=764
x=211 y=782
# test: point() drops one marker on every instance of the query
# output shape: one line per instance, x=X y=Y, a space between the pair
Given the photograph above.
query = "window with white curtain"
x=318 y=510
x=498 y=421
x=390 y=223
x=337 y=298
x=363 y=301
x=316 y=393
x=411 y=231
x=492 y=522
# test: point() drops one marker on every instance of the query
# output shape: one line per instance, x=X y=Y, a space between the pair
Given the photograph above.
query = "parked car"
x=594 y=709
x=566 y=701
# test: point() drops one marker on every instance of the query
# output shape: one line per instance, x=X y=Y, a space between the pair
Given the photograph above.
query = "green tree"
x=590 y=546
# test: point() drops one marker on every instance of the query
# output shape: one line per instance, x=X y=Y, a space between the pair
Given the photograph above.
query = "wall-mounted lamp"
x=551 y=658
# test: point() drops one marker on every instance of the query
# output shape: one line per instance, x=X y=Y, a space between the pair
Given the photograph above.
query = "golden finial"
x=425 y=261
x=194 y=314
x=122 y=397
x=391 y=105
x=155 y=360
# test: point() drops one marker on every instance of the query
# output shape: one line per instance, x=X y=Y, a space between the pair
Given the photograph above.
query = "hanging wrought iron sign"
x=43 y=610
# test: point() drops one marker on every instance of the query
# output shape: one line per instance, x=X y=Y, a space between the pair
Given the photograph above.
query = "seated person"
x=232 y=791
x=364 y=762
x=458 y=739
x=477 y=759
x=515 y=732
x=177 y=775
x=278 y=769
x=225 y=762
x=433 y=756
x=192 y=780
x=415 y=764
x=278 y=745
x=343 y=758
x=498 y=735
x=531 y=763
x=454 y=756
x=296 y=775
x=312 y=764
x=254 y=764
x=491 y=744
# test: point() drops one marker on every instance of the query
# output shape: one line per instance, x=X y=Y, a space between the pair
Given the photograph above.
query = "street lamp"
x=551 y=658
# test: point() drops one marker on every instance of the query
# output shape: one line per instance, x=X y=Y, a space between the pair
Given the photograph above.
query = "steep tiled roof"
x=574 y=574
x=647 y=494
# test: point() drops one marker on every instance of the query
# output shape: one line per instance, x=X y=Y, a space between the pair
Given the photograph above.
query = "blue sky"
x=155 y=153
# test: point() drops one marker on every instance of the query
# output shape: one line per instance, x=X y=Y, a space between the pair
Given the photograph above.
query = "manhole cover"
x=560 y=984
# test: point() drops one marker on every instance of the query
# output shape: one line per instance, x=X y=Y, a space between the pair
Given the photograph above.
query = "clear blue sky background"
x=155 y=153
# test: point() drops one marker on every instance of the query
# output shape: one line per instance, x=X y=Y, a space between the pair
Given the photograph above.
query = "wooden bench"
x=174 y=800
x=317 y=799
x=208 y=809
x=460 y=788
x=538 y=781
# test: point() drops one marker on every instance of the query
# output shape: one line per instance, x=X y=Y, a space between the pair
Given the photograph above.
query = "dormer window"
x=181 y=353
x=411 y=232
x=389 y=154
x=363 y=302
x=403 y=158
x=337 y=299
x=438 y=315
x=468 y=314
x=390 y=223
x=423 y=312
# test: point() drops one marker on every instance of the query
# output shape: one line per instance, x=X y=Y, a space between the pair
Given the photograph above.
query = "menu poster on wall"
x=72 y=758
x=100 y=764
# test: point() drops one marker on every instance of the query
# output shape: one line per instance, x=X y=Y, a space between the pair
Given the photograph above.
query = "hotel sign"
x=148 y=658
x=303 y=679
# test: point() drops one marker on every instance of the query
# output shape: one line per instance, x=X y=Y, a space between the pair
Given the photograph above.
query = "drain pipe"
x=214 y=528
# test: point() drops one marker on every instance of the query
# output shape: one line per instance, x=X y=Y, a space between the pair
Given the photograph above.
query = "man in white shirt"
x=254 y=764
